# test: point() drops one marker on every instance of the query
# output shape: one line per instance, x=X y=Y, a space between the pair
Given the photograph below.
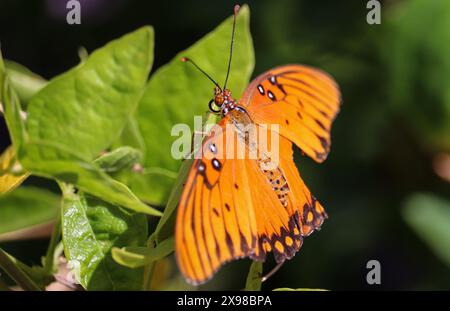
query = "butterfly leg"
x=210 y=120
x=272 y=272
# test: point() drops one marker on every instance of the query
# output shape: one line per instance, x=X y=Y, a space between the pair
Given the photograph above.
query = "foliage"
x=429 y=216
x=102 y=132
x=419 y=67
x=113 y=162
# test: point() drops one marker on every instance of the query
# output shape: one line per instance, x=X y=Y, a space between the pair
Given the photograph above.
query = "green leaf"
x=287 y=289
x=96 y=97
x=91 y=179
x=10 y=265
x=12 y=109
x=8 y=163
x=429 y=216
x=134 y=257
x=38 y=274
x=152 y=185
x=91 y=228
x=131 y=136
x=24 y=81
x=118 y=159
x=254 y=277
x=90 y=104
x=177 y=91
x=26 y=207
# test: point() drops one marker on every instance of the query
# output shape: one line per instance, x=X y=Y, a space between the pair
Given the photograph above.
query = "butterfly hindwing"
x=303 y=207
x=276 y=232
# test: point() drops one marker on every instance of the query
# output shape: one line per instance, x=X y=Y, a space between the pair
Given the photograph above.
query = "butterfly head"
x=223 y=101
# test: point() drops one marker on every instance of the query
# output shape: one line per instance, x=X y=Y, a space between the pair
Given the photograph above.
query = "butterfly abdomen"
x=279 y=184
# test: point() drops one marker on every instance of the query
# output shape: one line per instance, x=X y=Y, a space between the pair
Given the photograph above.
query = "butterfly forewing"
x=215 y=221
x=302 y=100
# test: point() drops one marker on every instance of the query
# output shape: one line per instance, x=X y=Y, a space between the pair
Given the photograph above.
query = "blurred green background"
x=386 y=182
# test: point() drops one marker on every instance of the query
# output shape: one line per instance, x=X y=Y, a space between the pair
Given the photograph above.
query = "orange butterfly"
x=232 y=207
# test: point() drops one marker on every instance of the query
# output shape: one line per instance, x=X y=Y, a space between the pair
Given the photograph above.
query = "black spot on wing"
x=261 y=89
x=244 y=245
x=320 y=124
x=229 y=244
x=216 y=213
x=271 y=95
x=324 y=143
x=285 y=245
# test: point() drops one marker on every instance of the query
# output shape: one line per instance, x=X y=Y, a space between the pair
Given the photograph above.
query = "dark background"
x=393 y=124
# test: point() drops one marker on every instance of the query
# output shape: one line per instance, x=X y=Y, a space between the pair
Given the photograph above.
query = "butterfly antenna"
x=188 y=60
x=272 y=272
x=236 y=10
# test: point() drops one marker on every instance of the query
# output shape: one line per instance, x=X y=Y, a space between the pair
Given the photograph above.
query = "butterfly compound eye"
x=218 y=100
x=211 y=108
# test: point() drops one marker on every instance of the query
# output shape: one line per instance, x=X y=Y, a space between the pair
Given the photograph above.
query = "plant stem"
x=50 y=256
x=10 y=267
x=148 y=275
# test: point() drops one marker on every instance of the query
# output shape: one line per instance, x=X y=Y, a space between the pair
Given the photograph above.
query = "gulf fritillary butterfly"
x=231 y=208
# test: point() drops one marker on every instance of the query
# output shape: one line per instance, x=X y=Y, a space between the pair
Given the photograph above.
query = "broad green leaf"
x=177 y=91
x=134 y=257
x=152 y=185
x=26 y=207
x=8 y=163
x=254 y=277
x=89 y=178
x=429 y=216
x=87 y=107
x=287 y=289
x=25 y=82
x=131 y=136
x=54 y=156
x=118 y=159
x=12 y=110
x=91 y=228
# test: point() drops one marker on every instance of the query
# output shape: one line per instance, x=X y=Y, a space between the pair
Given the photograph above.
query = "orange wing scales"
x=215 y=221
x=302 y=100
x=232 y=208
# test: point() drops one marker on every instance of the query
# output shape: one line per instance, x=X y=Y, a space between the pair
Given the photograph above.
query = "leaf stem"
x=150 y=267
x=50 y=255
x=7 y=263
x=148 y=275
